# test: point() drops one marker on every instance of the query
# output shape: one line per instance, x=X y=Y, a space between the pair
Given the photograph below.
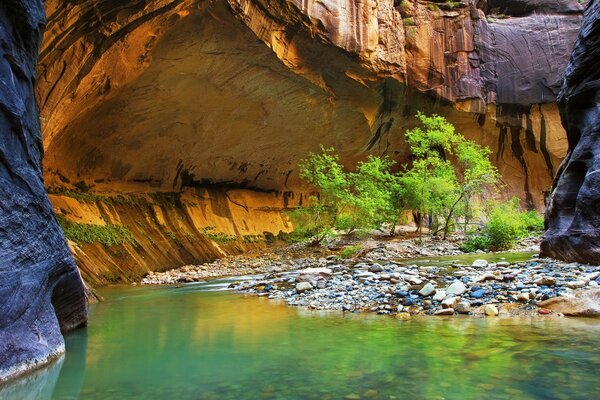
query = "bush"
x=350 y=251
x=505 y=226
x=476 y=242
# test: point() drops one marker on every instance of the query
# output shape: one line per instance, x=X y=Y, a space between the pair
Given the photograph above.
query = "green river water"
x=198 y=342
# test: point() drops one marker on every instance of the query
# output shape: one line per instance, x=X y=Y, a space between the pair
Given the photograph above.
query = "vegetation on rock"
x=107 y=235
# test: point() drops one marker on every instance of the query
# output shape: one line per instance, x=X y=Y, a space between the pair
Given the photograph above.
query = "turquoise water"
x=195 y=343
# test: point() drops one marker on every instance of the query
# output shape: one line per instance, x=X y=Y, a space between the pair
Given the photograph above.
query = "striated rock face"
x=41 y=292
x=169 y=230
x=176 y=93
x=573 y=216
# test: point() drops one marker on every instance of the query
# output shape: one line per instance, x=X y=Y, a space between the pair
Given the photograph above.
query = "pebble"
x=444 y=311
x=490 y=310
x=479 y=264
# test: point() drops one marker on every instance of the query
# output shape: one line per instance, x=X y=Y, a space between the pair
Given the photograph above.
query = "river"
x=200 y=341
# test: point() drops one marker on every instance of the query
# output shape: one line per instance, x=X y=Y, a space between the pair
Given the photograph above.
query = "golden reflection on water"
x=186 y=343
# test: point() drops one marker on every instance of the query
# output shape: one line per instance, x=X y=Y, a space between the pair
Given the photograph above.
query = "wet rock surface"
x=41 y=292
x=573 y=215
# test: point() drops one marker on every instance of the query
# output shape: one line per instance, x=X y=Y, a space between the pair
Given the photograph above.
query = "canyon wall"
x=180 y=93
x=160 y=231
x=41 y=293
x=573 y=216
x=163 y=95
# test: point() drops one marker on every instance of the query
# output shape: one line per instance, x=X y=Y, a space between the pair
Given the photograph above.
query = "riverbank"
x=393 y=278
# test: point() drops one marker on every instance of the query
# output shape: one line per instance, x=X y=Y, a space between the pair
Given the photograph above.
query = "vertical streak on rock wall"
x=41 y=292
x=573 y=216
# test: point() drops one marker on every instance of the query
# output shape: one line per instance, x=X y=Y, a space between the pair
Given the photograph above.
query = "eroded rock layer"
x=41 y=292
x=176 y=93
x=168 y=230
x=573 y=216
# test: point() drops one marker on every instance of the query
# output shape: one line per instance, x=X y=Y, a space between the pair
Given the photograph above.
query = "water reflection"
x=187 y=343
x=62 y=379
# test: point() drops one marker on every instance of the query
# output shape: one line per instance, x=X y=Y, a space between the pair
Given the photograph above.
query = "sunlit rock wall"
x=195 y=93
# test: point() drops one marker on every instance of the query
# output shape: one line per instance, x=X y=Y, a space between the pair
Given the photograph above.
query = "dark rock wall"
x=573 y=216
x=41 y=292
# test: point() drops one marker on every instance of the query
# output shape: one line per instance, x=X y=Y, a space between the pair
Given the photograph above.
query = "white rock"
x=576 y=284
x=450 y=302
x=427 y=290
x=456 y=288
x=523 y=297
x=302 y=287
x=314 y=274
x=479 y=264
x=439 y=295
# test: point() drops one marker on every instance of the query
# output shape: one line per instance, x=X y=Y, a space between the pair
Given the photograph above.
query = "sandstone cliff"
x=176 y=93
x=41 y=292
x=573 y=216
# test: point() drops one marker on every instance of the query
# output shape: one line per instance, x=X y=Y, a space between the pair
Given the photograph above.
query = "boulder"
x=314 y=274
x=427 y=290
x=584 y=304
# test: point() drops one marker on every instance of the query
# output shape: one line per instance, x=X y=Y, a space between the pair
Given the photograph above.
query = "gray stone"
x=302 y=287
x=480 y=263
x=456 y=288
x=427 y=290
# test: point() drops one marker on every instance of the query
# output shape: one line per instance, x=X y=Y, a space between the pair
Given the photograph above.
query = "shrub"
x=505 y=226
x=350 y=251
x=476 y=242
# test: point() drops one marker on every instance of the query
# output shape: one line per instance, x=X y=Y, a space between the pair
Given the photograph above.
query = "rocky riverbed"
x=386 y=279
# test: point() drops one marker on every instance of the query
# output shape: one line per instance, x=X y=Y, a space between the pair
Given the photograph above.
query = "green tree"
x=447 y=172
x=364 y=199
x=376 y=194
